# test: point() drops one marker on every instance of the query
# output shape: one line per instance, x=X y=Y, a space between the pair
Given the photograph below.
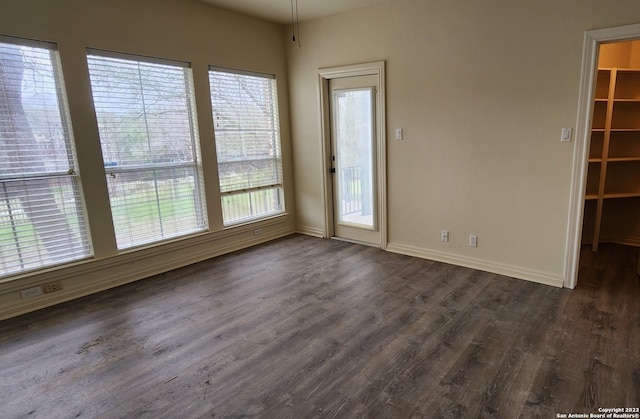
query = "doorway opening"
x=606 y=188
x=354 y=152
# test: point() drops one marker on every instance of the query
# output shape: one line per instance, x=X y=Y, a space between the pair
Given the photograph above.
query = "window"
x=42 y=220
x=247 y=135
x=146 y=122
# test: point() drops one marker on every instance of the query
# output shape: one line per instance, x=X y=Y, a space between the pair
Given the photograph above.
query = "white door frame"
x=324 y=75
x=592 y=41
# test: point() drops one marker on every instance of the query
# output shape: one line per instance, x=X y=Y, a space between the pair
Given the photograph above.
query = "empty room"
x=329 y=209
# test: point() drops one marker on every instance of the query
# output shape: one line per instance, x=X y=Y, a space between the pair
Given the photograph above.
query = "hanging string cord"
x=295 y=22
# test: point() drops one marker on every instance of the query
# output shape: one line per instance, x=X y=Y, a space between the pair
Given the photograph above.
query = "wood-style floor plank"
x=310 y=328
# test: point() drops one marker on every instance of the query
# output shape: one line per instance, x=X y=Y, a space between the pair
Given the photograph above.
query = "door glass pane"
x=353 y=117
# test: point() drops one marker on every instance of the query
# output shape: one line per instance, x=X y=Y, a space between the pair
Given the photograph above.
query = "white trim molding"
x=532 y=275
x=376 y=68
x=592 y=40
x=311 y=231
x=93 y=276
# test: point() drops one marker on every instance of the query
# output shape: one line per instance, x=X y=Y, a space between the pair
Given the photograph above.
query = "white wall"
x=482 y=90
x=183 y=30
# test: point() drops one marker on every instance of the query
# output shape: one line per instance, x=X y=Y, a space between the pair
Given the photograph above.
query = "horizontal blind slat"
x=148 y=139
x=247 y=139
x=42 y=220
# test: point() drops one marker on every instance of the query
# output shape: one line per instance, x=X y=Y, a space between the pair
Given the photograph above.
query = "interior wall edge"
x=575 y=219
x=310 y=231
x=518 y=272
x=592 y=40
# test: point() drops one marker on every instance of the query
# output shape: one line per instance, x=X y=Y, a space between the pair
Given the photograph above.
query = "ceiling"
x=279 y=11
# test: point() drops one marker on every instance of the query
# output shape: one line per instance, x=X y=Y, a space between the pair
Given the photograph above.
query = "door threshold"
x=342 y=239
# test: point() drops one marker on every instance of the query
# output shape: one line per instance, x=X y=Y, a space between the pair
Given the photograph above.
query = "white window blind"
x=146 y=121
x=42 y=221
x=247 y=136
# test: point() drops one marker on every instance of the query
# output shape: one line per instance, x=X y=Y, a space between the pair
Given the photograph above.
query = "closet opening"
x=611 y=218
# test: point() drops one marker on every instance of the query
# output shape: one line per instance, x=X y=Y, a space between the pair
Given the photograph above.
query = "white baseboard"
x=483 y=265
x=94 y=276
x=310 y=231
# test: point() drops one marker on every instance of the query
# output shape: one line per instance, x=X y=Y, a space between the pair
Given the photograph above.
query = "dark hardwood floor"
x=303 y=327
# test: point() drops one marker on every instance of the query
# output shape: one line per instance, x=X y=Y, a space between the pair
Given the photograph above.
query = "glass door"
x=353 y=148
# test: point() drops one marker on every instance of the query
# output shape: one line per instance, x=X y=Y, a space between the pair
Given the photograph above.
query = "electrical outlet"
x=473 y=240
x=257 y=232
x=31 y=292
x=52 y=287
x=444 y=235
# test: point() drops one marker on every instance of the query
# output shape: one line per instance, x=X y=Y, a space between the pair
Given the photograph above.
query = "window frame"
x=81 y=246
x=195 y=164
x=278 y=186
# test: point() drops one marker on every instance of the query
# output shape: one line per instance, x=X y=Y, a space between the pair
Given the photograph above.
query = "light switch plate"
x=566 y=135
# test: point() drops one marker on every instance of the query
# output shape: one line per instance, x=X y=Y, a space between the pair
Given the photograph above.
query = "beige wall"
x=183 y=30
x=482 y=90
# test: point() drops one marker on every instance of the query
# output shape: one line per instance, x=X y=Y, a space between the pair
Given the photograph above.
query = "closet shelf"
x=621 y=195
x=614 y=157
